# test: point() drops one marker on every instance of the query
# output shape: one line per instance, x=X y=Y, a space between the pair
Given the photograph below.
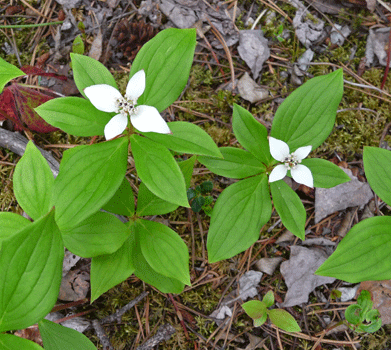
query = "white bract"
x=108 y=99
x=300 y=173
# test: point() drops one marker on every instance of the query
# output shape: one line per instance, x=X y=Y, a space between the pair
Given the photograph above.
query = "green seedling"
x=361 y=317
x=198 y=198
x=258 y=311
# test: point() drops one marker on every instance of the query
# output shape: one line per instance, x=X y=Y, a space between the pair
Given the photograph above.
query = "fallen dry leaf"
x=371 y=5
x=17 y=104
x=381 y=297
x=253 y=49
x=349 y=194
x=74 y=286
x=250 y=90
x=377 y=43
x=299 y=276
x=307 y=30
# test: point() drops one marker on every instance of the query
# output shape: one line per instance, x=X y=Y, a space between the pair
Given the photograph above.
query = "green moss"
x=121 y=79
x=205 y=327
x=23 y=37
x=203 y=298
x=377 y=341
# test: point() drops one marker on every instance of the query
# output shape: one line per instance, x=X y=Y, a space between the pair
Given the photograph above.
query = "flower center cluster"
x=126 y=106
x=291 y=161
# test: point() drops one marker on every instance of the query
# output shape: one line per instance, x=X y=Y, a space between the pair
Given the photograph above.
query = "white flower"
x=300 y=173
x=108 y=99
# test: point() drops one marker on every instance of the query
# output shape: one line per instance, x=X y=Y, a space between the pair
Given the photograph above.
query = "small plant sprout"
x=258 y=311
x=361 y=317
x=300 y=173
x=108 y=99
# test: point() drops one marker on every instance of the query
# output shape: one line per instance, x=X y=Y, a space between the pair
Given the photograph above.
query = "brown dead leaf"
x=96 y=47
x=349 y=194
x=74 y=286
x=299 y=276
x=30 y=333
x=371 y=5
x=381 y=297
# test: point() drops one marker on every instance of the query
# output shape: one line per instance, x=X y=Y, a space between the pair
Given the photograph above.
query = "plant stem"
x=30 y=25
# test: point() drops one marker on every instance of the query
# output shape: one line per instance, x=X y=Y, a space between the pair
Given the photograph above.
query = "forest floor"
x=329 y=34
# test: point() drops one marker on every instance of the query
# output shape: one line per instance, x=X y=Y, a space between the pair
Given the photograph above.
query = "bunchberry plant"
x=79 y=208
x=302 y=122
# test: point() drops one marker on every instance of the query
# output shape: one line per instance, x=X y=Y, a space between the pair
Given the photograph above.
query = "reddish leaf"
x=17 y=104
x=30 y=70
x=7 y=106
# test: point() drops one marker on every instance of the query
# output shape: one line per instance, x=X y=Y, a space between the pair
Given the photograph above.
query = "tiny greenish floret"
x=125 y=105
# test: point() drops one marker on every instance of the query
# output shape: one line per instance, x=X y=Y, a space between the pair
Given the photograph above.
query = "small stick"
x=163 y=333
x=15 y=26
x=17 y=143
x=179 y=314
x=100 y=332
x=117 y=316
x=388 y=61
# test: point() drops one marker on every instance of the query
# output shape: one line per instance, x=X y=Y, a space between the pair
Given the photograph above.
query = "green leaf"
x=352 y=314
x=33 y=183
x=377 y=166
x=166 y=60
x=74 y=115
x=197 y=203
x=12 y=342
x=251 y=134
x=363 y=254
x=187 y=167
x=268 y=299
x=146 y=273
x=373 y=326
x=57 y=337
x=191 y=193
x=109 y=270
x=238 y=215
x=78 y=45
x=375 y=322
x=150 y=204
x=87 y=72
x=122 y=203
x=365 y=301
x=325 y=173
x=258 y=322
x=158 y=169
x=10 y=224
x=255 y=308
x=206 y=187
x=289 y=207
x=164 y=250
x=99 y=234
x=186 y=138
x=89 y=176
x=237 y=163
x=8 y=72
x=30 y=274
x=284 y=320
x=307 y=115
